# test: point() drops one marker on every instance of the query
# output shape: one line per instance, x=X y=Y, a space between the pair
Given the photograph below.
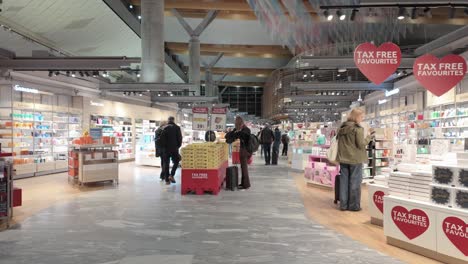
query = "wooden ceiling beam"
x=233 y=5
x=230 y=50
x=225 y=14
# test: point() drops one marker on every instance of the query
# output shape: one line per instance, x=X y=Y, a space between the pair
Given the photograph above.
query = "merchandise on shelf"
x=145 y=149
x=207 y=155
x=121 y=129
x=319 y=170
x=39 y=134
x=93 y=163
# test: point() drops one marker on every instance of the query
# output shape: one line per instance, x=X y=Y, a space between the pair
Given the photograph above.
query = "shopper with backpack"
x=158 y=146
x=267 y=137
x=171 y=142
x=285 y=141
x=276 y=146
x=351 y=154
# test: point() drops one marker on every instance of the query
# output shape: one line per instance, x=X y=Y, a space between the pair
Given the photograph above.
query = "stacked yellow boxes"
x=204 y=155
x=236 y=146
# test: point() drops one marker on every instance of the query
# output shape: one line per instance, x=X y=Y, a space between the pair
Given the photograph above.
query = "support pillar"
x=209 y=85
x=194 y=45
x=152 y=42
x=194 y=65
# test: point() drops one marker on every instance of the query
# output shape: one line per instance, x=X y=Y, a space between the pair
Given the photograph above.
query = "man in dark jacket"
x=171 y=140
x=285 y=141
x=276 y=146
x=158 y=146
x=267 y=137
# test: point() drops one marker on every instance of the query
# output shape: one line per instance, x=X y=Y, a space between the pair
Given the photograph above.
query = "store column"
x=194 y=64
x=210 y=87
x=194 y=45
x=152 y=42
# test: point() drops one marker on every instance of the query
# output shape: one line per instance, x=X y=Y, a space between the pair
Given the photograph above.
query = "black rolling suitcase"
x=232 y=178
x=337 y=189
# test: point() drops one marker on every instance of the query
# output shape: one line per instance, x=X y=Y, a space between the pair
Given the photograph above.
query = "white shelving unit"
x=145 y=146
x=122 y=129
x=35 y=129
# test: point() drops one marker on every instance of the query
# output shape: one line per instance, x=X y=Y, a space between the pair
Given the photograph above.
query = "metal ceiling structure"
x=105 y=35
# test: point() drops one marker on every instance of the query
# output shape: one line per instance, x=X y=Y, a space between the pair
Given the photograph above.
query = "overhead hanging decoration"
x=439 y=75
x=377 y=64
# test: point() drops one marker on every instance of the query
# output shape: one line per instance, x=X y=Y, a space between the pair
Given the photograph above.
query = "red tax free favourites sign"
x=200 y=110
x=439 y=75
x=456 y=231
x=411 y=223
x=377 y=64
x=219 y=110
x=378 y=200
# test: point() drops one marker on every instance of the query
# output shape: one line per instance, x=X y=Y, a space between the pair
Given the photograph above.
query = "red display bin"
x=203 y=180
x=17 y=197
x=236 y=158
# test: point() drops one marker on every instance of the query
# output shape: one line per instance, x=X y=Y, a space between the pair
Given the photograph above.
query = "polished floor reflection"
x=144 y=221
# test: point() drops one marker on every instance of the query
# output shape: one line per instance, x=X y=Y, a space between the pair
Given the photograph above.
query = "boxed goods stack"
x=204 y=167
x=207 y=155
x=449 y=186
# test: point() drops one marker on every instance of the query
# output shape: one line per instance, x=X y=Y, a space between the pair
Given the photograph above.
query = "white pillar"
x=194 y=65
x=152 y=41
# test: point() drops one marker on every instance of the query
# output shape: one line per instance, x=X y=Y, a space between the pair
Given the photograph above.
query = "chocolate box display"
x=460 y=198
x=441 y=195
x=462 y=179
x=445 y=175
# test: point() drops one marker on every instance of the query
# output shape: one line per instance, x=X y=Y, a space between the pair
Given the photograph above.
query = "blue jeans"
x=350 y=186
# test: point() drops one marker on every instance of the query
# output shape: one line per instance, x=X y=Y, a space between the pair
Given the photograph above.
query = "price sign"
x=200 y=118
x=96 y=133
x=218 y=118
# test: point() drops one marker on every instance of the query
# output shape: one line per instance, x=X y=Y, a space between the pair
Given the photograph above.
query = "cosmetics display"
x=119 y=127
x=145 y=153
x=37 y=132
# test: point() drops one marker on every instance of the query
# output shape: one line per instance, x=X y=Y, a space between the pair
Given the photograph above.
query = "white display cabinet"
x=145 y=153
x=119 y=127
x=434 y=231
x=34 y=127
x=376 y=195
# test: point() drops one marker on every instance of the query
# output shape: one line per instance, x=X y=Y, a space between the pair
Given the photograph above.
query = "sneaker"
x=172 y=179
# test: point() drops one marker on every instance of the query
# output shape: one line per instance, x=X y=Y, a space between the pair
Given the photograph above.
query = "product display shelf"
x=319 y=171
x=145 y=146
x=122 y=129
x=93 y=163
x=379 y=155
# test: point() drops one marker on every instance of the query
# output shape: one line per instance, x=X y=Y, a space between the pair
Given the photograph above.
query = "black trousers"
x=285 y=150
x=244 y=159
x=267 y=152
x=167 y=156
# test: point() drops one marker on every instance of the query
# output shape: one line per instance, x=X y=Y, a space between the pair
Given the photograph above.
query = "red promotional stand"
x=203 y=180
x=204 y=167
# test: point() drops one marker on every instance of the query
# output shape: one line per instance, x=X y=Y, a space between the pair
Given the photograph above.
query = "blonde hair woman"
x=351 y=155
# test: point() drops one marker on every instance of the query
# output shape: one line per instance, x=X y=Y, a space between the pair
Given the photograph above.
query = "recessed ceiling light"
x=340 y=14
x=139 y=17
x=401 y=13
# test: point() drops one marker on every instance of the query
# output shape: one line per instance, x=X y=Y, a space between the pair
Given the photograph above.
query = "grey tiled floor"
x=142 y=221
